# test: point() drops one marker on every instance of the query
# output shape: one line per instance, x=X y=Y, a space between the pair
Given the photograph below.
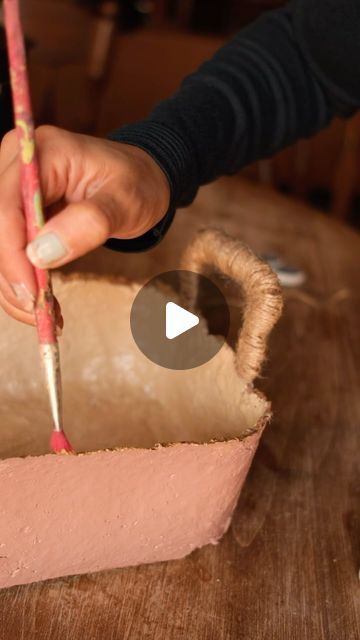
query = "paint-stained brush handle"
x=32 y=202
x=30 y=184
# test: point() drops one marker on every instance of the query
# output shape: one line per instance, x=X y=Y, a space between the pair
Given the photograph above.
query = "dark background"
x=95 y=65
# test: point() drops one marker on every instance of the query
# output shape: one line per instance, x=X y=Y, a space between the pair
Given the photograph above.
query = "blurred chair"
x=347 y=174
x=329 y=162
x=69 y=59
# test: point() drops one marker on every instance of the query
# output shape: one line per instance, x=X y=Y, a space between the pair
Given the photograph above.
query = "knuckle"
x=45 y=131
x=49 y=137
x=51 y=140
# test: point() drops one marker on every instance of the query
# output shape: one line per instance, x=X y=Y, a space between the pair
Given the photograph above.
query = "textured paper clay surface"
x=66 y=515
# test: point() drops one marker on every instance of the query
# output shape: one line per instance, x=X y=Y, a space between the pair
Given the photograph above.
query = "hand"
x=93 y=189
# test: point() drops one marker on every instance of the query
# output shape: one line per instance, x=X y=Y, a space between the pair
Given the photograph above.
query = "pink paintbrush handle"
x=30 y=185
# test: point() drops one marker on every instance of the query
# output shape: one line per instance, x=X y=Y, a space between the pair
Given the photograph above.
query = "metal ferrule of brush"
x=50 y=358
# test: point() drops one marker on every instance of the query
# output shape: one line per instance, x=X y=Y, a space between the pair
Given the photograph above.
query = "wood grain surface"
x=288 y=567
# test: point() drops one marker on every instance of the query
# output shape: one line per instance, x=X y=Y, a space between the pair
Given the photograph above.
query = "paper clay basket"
x=128 y=499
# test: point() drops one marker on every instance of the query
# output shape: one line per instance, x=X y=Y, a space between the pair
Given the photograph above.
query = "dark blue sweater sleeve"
x=271 y=85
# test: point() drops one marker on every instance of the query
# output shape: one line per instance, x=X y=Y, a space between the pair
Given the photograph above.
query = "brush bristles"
x=59 y=443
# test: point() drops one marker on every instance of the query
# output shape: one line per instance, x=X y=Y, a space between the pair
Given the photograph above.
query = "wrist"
x=152 y=189
x=169 y=151
x=151 y=202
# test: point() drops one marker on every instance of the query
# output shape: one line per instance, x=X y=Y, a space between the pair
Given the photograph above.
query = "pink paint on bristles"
x=59 y=443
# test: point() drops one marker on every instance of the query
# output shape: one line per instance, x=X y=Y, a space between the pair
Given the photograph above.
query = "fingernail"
x=24 y=296
x=46 y=249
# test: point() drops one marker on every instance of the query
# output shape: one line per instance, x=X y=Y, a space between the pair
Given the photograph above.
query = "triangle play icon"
x=178 y=320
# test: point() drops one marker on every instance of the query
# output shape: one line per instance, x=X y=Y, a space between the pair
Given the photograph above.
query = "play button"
x=177 y=330
x=178 y=320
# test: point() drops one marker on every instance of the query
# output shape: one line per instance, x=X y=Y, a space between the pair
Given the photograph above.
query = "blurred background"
x=95 y=65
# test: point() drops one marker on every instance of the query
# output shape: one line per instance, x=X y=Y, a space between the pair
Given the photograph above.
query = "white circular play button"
x=171 y=331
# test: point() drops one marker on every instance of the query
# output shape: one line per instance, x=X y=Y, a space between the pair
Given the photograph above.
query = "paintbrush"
x=34 y=216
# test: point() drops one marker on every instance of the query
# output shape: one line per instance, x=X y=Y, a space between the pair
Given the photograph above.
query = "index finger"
x=14 y=264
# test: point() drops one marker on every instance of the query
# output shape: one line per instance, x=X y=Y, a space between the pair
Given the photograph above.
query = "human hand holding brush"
x=243 y=105
x=93 y=189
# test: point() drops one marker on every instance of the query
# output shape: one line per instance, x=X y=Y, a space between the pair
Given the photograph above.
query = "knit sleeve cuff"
x=148 y=240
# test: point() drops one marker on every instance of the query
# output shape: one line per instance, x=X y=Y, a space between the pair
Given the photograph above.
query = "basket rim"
x=263 y=420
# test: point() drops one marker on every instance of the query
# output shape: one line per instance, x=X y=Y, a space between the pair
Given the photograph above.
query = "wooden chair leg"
x=104 y=30
x=347 y=170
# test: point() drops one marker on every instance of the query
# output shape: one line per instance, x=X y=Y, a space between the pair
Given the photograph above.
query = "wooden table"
x=288 y=567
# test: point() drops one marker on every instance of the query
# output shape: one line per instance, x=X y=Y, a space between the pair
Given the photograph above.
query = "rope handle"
x=212 y=248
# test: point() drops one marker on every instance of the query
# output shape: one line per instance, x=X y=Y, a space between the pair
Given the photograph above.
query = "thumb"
x=76 y=230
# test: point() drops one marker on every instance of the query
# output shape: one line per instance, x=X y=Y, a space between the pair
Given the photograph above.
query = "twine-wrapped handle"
x=213 y=248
